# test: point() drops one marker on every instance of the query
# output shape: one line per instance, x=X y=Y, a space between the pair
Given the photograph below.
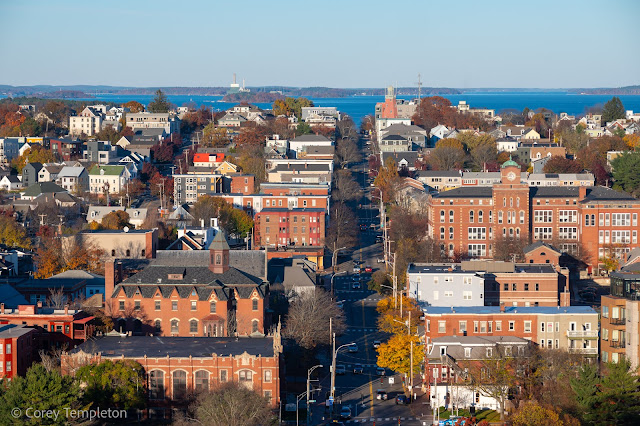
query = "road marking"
x=366 y=345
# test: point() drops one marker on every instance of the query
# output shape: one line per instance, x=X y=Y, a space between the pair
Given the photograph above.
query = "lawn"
x=488 y=415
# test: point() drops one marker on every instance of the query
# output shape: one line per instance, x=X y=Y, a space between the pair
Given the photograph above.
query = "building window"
x=467 y=352
x=463 y=326
x=527 y=326
x=121 y=305
x=514 y=287
x=202 y=380
x=267 y=395
x=179 y=384
x=158 y=325
x=157 y=303
x=254 y=326
x=174 y=325
x=267 y=376
x=537 y=287
x=254 y=304
x=212 y=307
x=450 y=216
x=466 y=295
x=194 y=305
x=512 y=325
x=442 y=326
x=174 y=305
x=156 y=384
x=498 y=325
x=136 y=305
x=193 y=326
x=245 y=376
x=506 y=286
x=526 y=286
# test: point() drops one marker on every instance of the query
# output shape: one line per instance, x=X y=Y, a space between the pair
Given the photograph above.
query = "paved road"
x=358 y=391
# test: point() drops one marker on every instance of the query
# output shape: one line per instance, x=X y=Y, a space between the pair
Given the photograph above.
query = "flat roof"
x=10 y=331
x=179 y=347
x=545 y=310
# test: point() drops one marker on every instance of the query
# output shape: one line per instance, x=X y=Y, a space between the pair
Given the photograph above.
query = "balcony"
x=617 y=321
x=617 y=344
x=582 y=334
x=585 y=351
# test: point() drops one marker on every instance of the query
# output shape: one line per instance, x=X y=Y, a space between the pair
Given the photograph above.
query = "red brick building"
x=595 y=220
x=275 y=227
x=189 y=364
x=17 y=349
x=66 y=149
x=215 y=292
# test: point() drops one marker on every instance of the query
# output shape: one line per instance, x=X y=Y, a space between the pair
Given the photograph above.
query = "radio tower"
x=419 y=87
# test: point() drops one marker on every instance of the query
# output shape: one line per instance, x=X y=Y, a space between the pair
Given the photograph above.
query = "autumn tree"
x=35 y=154
x=308 y=319
x=251 y=159
x=560 y=164
x=232 y=220
x=387 y=179
x=345 y=187
x=160 y=103
x=213 y=136
x=532 y=414
x=134 y=106
x=539 y=124
x=395 y=354
x=448 y=155
x=632 y=141
x=368 y=124
x=494 y=377
x=380 y=282
x=612 y=110
x=390 y=320
x=12 y=234
x=116 y=220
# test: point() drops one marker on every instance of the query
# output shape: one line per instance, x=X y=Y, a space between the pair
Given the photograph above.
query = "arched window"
x=254 y=326
x=156 y=384
x=517 y=232
x=471 y=218
x=193 y=326
x=218 y=259
x=500 y=216
x=511 y=232
x=450 y=216
x=510 y=201
x=122 y=325
x=451 y=233
x=179 y=384
x=128 y=253
x=202 y=380
x=441 y=215
x=267 y=375
x=174 y=325
x=137 y=326
x=158 y=325
x=504 y=201
x=480 y=216
x=521 y=216
x=518 y=202
x=212 y=307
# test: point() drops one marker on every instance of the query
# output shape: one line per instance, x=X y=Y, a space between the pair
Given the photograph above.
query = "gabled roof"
x=42 y=188
x=310 y=138
x=68 y=171
x=537 y=245
x=109 y=170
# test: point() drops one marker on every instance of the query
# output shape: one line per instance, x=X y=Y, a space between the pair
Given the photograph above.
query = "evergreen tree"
x=613 y=110
x=160 y=103
x=118 y=384
x=585 y=387
x=618 y=397
x=41 y=390
x=626 y=172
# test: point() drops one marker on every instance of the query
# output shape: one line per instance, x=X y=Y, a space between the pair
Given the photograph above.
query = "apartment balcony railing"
x=617 y=321
x=582 y=334
x=617 y=344
x=586 y=351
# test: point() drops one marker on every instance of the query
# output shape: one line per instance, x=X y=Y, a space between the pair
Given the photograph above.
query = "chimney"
x=1 y=308
x=582 y=193
x=38 y=305
x=266 y=261
x=110 y=278
x=66 y=309
x=502 y=307
x=202 y=222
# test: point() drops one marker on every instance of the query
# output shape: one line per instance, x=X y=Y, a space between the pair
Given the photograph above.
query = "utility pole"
x=411 y=374
x=395 y=285
x=333 y=372
x=309 y=390
x=419 y=87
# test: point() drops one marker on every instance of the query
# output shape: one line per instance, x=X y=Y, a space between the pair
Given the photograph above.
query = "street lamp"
x=334 y=257
x=298 y=398
x=333 y=368
x=332 y=277
x=309 y=390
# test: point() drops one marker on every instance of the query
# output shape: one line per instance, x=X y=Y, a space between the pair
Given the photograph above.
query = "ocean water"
x=359 y=106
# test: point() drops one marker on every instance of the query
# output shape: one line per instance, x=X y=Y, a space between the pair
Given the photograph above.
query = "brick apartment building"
x=189 y=364
x=277 y=227
x=215 y=292
x=469 y=221
x=573 y=328
x=65 y=149
x=187 y=188
x=17 y=349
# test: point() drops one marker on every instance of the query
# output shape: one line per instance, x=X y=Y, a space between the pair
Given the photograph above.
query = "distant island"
x=252 y=97
x=627 y=90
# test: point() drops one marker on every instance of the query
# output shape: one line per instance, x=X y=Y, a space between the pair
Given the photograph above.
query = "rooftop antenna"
x=419 y=87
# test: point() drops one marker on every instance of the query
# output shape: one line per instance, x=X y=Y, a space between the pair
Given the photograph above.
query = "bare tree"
x=347 y=152
x=342 y=231
x=309 y=316
x=56 y=298
x=345 y=186
x=229 y=404
x=232 y=324
x=510 y=249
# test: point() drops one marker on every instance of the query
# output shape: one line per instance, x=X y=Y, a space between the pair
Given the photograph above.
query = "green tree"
x=618 y=397
x=612 y=110
x=41 y=390
x=30 y=127
x=303 y=129
x=160 y=103
x=119 y=384
x=626 y=172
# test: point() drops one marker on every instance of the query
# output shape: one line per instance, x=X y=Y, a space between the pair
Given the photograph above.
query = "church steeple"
x=219 y=254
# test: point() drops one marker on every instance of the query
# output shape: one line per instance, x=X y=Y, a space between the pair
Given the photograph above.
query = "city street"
x=358 y=391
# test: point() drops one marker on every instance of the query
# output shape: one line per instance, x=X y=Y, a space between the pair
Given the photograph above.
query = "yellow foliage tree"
x=632 y=141
x=396 y=354
x=531 y=414
x=12 y=234
x=390 y=320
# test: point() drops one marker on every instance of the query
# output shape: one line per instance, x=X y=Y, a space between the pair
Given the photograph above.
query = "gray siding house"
x=444 y=285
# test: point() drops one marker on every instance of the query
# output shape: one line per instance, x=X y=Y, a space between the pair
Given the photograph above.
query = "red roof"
x=212 y=317
x=83 y=320
x=201 y=157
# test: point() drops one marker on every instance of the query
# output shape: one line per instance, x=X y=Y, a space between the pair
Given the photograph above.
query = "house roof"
x=42 y=188
x=9 y=331
x=109 y=170
x=537 y=245
x=394 y=138
x=310 y=138
x=525 y=310
x=68 y=171
x=11 y=297
x=466 y=192
x=179 y=347
x=437 y=173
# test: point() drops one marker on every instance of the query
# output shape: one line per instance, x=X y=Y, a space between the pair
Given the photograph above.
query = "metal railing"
x=617 y=321
x=590 y=351
x=582 y=334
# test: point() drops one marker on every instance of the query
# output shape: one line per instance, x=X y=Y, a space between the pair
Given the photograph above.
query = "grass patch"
x=488 y=415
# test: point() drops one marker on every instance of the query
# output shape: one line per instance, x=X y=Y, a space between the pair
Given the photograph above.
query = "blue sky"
x=336 y=43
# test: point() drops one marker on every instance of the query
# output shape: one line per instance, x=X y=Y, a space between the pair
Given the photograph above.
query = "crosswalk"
x=370 y=299
x=360 y=330
x=383 y=419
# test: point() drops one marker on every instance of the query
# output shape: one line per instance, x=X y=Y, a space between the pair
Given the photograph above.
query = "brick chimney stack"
x=582 y=192
x=502 y=307
x=112 y=275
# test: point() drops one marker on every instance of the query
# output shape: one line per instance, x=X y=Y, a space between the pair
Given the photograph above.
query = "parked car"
x=356 y=269
x=368 y=269
x=355 y=285
x=402 y=399
x=363 y=227
x=340 y=369
x=353 y=348
x=372 y=226
x=340 y=304
x=358 y=369
x=380 y=260
x=381 y=371
x=381 y=394
x=379 y=239
x=345 y=413
x=376 y=344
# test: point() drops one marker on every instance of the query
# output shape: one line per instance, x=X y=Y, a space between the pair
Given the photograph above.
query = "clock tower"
x=511 y=203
